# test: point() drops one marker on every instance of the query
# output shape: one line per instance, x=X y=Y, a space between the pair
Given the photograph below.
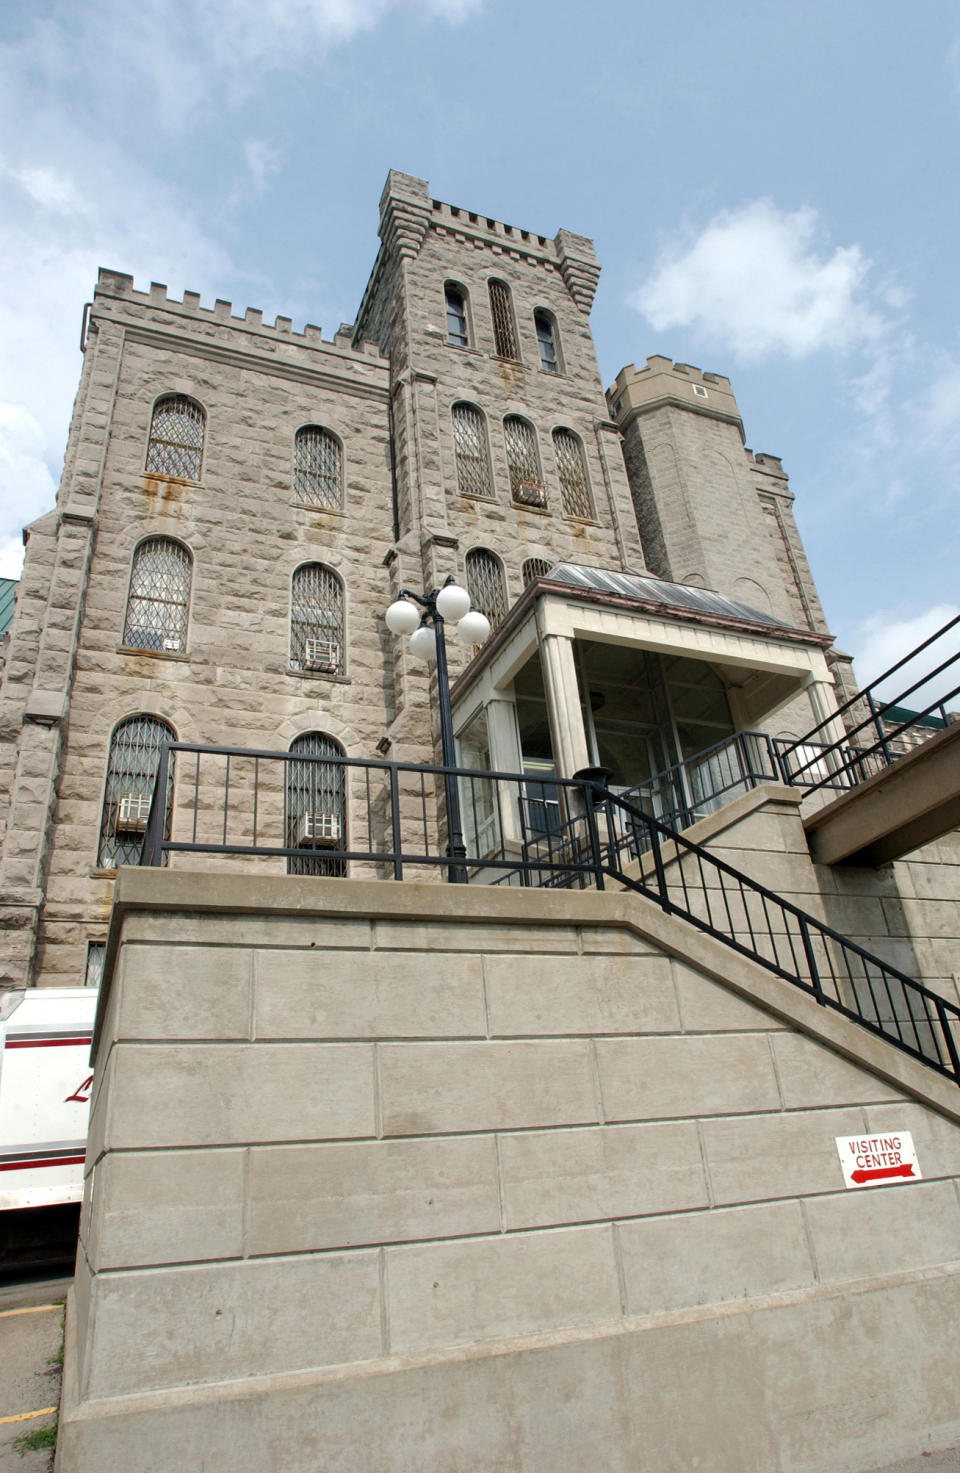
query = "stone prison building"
x=417 y=1176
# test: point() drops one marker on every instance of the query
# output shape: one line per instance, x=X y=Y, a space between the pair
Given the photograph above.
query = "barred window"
x=93 y=972
x=176 y=438
x=486 y=584
x=316 y=620
x=547 y=341
x=457 y=334
x=572 y=470
x=131 y=776
x=534 y=568
x=523 y=462
x=504 y=327
x=315 y=811
x=159 y=597
x=470 y=444
x=317 y=468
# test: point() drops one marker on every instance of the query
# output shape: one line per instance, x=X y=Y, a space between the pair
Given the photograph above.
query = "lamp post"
x=423 y=617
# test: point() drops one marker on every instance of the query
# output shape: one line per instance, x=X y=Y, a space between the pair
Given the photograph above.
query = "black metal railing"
x=880 y=729
x=385 y=819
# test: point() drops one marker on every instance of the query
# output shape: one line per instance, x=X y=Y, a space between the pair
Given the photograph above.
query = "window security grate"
x=176 y=439
x=534 y=568
x=314 y=806
x=504 y=328
x=159 y=596
x=470 y=444
x=572 y=470
x=317 y=471
x=131 y=775
x=486 y=584
x=523 y=462
x=316 y=614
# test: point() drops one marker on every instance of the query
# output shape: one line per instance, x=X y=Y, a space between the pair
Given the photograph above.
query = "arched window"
x=504 y=327
x=159 y=597
x=547 y=341
x=486 y=584
x=316 y=620
x=176 y=438
x=131 y=775
x=317 y=468
x=572 y=470
x=534 y=568
x=314 y=806
x=470 y=445
x=523 y=462
x=458 y=335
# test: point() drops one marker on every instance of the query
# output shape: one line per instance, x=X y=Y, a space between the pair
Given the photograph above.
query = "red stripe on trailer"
x=31 y=1165
x=45 y=1042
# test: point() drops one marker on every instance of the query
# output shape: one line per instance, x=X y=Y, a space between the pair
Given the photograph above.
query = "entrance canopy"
x=593 y=667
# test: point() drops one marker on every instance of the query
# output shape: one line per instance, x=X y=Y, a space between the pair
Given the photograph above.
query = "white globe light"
x=473 y=628
x=453 y=602
x=402 y=617
x=423 y=644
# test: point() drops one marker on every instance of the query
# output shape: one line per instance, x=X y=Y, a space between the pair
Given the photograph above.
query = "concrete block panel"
x=937 y=1139
x=453 y=936
x=811 y=1075
x=181 y=1326
x=455 y=1293
x=779 y=1155
x=168 y=1207
x=431 y=1087
x=709 y=1007
x=580 y=994
x=613 y=939
x=879 y=1230
x=232 y=1094
x=302 y=1198
x=366 y=994
x=611 y=1171
x=184 y=992
x=718 y=1074
x=709 y=1257
x=243 y=930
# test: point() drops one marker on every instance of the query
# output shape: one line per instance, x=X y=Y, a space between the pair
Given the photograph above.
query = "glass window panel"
x=131 y=776
x=159 y=597
x=572 y=471
x=470 y=445
x=523 y=462
x=456 y=318
x=485 y=582
x=176 y=438
x=546 y=340
x=315 y=813
x=316 y=622
x=317 y=469
x=504 y=328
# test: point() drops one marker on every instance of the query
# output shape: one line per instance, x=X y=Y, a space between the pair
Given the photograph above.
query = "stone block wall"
x=402 y=1177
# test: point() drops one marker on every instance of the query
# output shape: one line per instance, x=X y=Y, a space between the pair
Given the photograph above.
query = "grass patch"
x=37 y=1439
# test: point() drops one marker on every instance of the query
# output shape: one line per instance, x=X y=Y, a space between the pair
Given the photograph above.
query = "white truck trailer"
x=45 y=1084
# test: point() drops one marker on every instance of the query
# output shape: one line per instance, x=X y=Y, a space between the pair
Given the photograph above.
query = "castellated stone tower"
x=240 y=503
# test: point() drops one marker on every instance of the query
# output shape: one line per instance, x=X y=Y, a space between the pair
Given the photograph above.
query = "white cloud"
x=11 y=557
x=883 y=640
x=263 y=159
x=757 y=280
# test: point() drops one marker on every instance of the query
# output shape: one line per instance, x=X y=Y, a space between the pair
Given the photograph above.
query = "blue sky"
x=772 y=189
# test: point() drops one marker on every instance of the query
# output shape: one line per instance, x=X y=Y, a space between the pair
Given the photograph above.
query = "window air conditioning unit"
x=132 y=814
x=321 y=654
x=318 y=830
x=172 y=643
x=530 y=493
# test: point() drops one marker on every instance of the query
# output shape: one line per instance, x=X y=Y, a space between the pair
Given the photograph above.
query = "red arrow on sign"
x=877 y=1173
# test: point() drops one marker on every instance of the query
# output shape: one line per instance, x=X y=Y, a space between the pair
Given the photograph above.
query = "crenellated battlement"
x=661 y=381
x=118 y=285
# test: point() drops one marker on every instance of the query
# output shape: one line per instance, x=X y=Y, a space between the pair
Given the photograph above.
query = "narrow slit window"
x=176 y=438
x=504 y=327
x=572 y=471
x=486 y=584
x=470 y=445
x=159 y=597
x=523 y=462
x=547 y=342
x=457 y=334
x=317 y=468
